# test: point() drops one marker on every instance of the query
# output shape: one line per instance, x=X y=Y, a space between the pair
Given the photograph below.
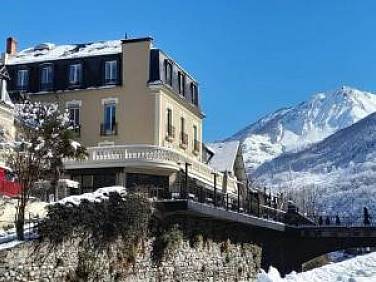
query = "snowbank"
x=10 y=244
x=96 y=196
x=8 y=209
x=358 y=269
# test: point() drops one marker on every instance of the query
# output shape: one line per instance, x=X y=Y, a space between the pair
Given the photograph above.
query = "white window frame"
x=194 y=93
x=73 y=103
x=195 y=132
x=111 y=72
x=169 y=108
x=110 y=100
x=22 y=80
x=168 y=72
x=112 y=120
x=75 y=121
x=75 y=74
x=46 y=75
x=181 y=83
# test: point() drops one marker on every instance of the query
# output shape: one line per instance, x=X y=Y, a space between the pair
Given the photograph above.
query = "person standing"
x=366 y=216
x=338 y=221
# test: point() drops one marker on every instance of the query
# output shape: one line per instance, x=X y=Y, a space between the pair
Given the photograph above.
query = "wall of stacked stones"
x=178 y=249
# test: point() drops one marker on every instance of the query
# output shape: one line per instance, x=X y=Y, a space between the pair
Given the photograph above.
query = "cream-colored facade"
x=158 y=131
x=7 y=127
x=141 y=111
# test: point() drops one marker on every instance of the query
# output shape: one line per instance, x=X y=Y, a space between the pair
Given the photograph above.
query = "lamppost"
x=186 y=178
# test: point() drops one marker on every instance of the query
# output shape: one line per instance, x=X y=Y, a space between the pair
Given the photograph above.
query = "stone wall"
x=122 y=238
x=176 y=252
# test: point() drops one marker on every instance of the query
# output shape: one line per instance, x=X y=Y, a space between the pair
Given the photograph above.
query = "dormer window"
x=75 y=74
x=181 y=82
x=111 y=72
x=22 y=79
x=194 y=93
x=168 y=72
x=46 y=77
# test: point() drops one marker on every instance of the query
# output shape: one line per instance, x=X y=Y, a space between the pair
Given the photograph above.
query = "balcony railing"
x=108 y=129
x=149 y=155
x=170 y=133
x=183 y=140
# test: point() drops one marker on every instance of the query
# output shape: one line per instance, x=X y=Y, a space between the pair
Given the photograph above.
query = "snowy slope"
x=293 y=129
x=358 y=269
x=342 y=169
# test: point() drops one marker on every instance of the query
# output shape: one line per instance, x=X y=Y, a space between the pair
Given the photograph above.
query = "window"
x=22 y=79
x=75 y=74
x=181 y=81
x=182 y=124
x=194 y=94
x=109 y=126
x=168 y=72
x=111 y=72
x=183 y=135
x=74 y=119
x=46 y=77
x=74 y=116
x=195 y=132
x=196 y=143
x=170 y=129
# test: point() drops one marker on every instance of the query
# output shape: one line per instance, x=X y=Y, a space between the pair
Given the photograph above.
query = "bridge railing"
x=225 y=201
x=343 y=221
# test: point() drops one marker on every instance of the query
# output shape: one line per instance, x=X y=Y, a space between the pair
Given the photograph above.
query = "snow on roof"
x=50 y=52
x=224 y=155
x=96 y=196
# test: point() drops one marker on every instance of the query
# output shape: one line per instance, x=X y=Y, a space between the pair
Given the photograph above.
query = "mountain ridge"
x=291 y=129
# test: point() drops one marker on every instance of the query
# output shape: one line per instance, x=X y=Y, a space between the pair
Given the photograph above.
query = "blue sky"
x=251 y=57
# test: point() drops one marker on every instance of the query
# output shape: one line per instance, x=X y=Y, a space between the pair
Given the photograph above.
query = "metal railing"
x=106 y=129
x=30 y=228
x=183 y=139
x=196 y=145
x=170 y=133
x=151 y=153
x=343 y=221
x=225 y=201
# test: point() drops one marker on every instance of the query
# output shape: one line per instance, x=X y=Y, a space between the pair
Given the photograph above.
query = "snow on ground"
x=8 y=210
x=357 y=269
x=10 y=244
x=39 y=209
x=35 y=209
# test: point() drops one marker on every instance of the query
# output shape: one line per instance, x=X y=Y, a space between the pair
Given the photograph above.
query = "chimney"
x=11 y=46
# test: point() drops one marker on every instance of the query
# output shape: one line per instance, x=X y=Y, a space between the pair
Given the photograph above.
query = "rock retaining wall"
x=177 y=249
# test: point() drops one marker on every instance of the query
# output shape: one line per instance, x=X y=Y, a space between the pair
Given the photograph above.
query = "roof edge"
x=132 y=40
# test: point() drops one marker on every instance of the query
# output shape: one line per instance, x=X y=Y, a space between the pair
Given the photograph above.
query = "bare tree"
x=44 y=140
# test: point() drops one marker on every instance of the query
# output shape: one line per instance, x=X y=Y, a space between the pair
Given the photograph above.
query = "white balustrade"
x=149 y=153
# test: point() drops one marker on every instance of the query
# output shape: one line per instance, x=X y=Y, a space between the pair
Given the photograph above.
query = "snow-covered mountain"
x=340 y=170
x=293 y=129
